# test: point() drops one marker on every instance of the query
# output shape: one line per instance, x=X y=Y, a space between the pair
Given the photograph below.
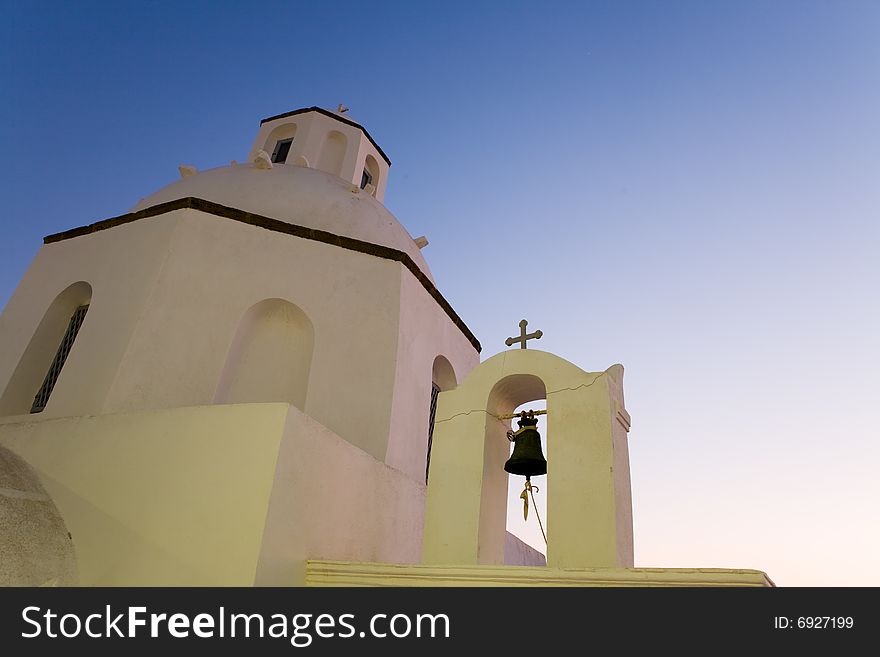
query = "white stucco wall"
x=300 y=196
x=180 y=346
x=122 y=271
x=425 y=332
x=170 y=293
x=331 y=500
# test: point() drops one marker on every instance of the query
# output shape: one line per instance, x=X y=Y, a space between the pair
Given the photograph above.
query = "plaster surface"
x=35 y=546
x=298 y=195
x=162 y=327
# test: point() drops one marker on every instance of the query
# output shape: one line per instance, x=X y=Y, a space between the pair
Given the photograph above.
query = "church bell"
x=527 y=458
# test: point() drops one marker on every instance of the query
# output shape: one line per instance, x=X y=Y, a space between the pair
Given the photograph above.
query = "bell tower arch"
x=589 y=502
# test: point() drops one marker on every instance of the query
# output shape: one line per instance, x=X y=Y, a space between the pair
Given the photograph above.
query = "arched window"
x=270 y=356
x=42 y=396
x=442 y=378
x=40 y=365
x=333 y=153
x=280 y=141
x=370 y=175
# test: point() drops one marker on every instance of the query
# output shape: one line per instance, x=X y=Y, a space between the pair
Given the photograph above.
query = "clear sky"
x=688 y=188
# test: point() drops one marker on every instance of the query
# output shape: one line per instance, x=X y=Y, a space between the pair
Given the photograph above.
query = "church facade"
x=252 y=378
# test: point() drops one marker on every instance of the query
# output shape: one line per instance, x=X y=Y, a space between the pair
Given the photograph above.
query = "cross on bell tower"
x=522 y=335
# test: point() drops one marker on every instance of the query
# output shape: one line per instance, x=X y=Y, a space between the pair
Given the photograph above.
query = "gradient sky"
x=688 y=188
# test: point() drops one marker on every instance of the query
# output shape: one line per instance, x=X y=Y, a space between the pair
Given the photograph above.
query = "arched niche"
x=33 y=366
x=275 y=142
x=587 y=482
x=333 y=152
x=270 y=356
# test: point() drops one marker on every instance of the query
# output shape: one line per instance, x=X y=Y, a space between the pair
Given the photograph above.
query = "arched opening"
x=333 y=153
x=527 y=528
x=40 y=366
x=509 y=393
x=442 y=379
x=270 y=356
x=279 y=142
x=370 y=175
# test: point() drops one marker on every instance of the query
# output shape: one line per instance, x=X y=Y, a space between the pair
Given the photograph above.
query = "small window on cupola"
x=366 y=179
x=282 y=149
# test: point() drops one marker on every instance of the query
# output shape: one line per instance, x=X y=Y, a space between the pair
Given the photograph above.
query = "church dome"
x=297 y=195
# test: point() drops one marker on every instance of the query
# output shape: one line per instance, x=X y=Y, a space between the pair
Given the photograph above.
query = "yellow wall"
x=225 y=495
x=173 y=497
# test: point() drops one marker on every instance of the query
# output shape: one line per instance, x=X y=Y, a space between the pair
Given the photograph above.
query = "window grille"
x=42 y=397
x=435 y=392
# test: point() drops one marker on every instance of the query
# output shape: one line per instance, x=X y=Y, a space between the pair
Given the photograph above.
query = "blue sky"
x=688 y=188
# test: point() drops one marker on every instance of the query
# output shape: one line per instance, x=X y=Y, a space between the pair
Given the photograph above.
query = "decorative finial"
x=262 y=160
x=342 y=109
x=522 y=335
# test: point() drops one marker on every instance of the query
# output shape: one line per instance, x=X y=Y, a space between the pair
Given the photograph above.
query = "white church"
x=253 y=379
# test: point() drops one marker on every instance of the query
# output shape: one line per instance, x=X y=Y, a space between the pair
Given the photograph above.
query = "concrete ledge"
x=339 y=573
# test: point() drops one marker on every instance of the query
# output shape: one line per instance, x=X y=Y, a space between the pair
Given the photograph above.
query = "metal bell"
x=527 y=458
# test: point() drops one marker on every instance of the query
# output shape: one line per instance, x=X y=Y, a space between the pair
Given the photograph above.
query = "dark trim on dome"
x=209 y=207
x=332 y=115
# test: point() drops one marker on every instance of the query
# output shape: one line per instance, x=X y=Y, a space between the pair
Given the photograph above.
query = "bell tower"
x=589 y=504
